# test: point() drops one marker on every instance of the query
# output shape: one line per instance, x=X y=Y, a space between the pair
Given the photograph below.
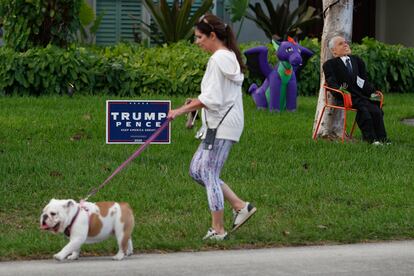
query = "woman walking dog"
x=223 y=121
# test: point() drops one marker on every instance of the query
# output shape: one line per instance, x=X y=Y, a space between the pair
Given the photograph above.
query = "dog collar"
x=67 y=229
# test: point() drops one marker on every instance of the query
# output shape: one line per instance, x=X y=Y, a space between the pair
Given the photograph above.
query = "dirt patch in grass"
x=408 y=121
x=14 y=220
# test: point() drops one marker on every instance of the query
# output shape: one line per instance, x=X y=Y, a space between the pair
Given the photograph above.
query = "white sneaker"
x=241 y=216
x=213 y=235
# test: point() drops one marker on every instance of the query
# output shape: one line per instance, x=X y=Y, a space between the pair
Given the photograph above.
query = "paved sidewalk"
x=388 y=258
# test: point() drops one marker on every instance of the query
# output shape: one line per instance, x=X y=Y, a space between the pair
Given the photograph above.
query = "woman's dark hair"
x=209 y=23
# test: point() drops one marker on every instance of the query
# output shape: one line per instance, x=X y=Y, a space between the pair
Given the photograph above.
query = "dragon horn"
x=291 y=40
x=275 y=45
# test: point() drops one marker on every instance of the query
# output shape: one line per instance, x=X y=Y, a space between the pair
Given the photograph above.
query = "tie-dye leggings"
x=205 y=168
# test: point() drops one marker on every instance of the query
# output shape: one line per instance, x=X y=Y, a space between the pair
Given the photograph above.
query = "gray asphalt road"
x=389 y=258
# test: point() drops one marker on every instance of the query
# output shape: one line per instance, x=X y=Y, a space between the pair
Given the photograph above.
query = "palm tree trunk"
x=337 y=21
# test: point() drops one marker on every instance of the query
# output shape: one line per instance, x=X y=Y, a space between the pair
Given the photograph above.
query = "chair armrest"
x=381 y=97
x=346 y=97
x=333 y=90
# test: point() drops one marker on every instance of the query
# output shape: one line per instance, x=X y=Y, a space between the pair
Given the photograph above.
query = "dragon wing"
x=305 y=52
x=257 y=61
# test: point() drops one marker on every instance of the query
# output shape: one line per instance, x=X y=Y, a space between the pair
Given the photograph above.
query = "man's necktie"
x=348 y=65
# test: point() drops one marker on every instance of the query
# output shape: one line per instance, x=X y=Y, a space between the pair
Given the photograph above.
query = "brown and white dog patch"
x=89 y=222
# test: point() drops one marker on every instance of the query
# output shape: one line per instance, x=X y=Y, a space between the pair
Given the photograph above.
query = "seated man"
x=347 y=71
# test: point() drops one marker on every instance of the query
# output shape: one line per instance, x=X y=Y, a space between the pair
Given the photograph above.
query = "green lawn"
x=306 y=192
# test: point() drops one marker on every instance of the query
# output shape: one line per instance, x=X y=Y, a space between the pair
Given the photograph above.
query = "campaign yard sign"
x=133 y=122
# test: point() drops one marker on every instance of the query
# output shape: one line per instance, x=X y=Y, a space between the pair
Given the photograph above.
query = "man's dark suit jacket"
x=336 y=74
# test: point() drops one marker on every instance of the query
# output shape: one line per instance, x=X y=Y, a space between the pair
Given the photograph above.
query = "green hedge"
x=120 y=70
x=129 y=69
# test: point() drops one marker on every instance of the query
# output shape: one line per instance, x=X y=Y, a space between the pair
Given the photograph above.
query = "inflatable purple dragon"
x=279 y=89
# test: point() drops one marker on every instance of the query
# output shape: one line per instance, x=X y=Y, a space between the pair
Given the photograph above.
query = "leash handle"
x=93 y=191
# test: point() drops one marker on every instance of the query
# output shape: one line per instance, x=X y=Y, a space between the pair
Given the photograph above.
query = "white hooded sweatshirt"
x=221 y=88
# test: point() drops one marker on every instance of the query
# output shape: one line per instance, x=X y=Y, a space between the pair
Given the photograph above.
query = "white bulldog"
x=88 y=222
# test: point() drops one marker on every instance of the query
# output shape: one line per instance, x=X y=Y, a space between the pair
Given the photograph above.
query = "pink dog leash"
x=132 y=157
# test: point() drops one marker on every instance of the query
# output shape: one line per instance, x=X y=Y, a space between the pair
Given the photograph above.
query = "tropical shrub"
x=175 y=22
x=89 y=23
x=34 y=23
x=279 y=22
x=237 y=10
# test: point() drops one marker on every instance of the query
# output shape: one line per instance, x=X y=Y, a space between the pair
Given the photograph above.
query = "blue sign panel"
x=133 y=122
